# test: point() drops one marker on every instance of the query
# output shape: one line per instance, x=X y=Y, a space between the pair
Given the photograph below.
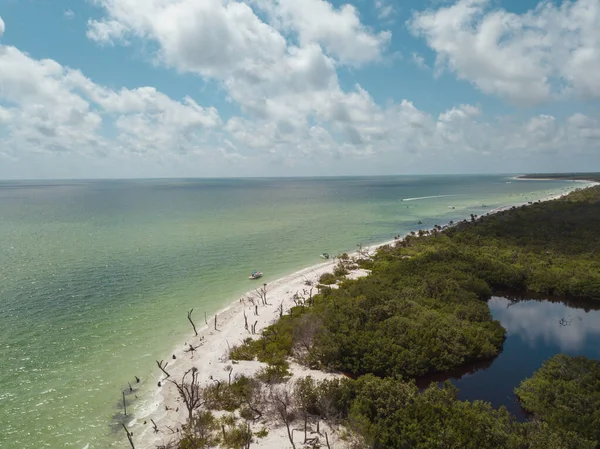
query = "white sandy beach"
x=211 y=358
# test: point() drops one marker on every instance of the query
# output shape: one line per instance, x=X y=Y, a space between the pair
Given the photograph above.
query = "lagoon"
x=535 y=331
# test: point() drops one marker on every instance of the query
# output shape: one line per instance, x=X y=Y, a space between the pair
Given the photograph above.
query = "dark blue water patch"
x=535 y=331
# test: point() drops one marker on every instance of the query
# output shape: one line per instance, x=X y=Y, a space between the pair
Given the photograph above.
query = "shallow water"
x=535 y=331
x=96 y=276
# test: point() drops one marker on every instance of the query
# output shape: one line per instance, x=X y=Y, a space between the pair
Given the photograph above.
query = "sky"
x=202 y=88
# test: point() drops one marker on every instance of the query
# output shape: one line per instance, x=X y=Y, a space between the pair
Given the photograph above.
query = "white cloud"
x=294 y=120
x=45 y=115
x=54 y=108
x=523 y=57
x=227 y=40
x=419 y=61
x=69 y=14
x=208 y=37
x=105 y=32
x=384 y=9
x=464 y=111
x=270 y=78
x=2 y=27
x=280 y=68
x=339 y=31
x=5 y=115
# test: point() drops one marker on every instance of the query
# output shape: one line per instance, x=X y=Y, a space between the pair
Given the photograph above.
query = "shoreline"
x=523 y=178
x=210 y=358
x=211 y=355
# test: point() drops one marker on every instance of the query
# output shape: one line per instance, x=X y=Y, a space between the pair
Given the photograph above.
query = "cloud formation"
x=279 y=62
x=527 y=58
x=53 y=109
x=1 y=27
x=56 y=109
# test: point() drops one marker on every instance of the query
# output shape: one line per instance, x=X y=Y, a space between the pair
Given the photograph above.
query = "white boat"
x=255 y=275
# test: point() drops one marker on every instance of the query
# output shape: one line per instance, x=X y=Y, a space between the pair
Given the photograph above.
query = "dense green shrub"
x=328 y=279
x=273 y=374
x=565 y=393
x=200 y=432
x=229 y=397
x=340 y=270
x=392 y=414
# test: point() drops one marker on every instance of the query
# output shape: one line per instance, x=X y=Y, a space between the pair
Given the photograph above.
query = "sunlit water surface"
x=96 y=276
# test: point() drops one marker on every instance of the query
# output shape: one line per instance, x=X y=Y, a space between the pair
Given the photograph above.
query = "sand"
x=212 y=361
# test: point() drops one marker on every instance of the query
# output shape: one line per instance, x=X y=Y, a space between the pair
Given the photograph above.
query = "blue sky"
x=146 y=88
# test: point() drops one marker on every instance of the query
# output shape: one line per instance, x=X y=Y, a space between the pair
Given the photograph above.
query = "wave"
x=425 y=197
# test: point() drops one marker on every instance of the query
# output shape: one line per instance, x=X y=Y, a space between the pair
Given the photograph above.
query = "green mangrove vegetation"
x=422 y=309
x=565 y=393
x=564 y=176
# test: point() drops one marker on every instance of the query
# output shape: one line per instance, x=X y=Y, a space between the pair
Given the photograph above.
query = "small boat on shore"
x=324 y=255
x=255 y=275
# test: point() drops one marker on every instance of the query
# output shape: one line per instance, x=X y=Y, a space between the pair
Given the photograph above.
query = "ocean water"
x=96 y=277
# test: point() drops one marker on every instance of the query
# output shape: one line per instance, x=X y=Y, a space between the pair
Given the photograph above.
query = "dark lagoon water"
x=535 y=331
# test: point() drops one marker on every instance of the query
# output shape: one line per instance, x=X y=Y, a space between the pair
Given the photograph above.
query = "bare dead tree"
x=253 y=406
x=282 y=403
x=260 y=294
x=245 y=321
x=162 y=365
x=205 y=321
x=327 y=441
x=296 y=298
x=309 y=295
x=307 y=281
x=248 y=436
x=306 y=401
x=190 y=392
x=216 y=323
x=254 y=327
x=263 y=294
x=129 y=436
x=124 y=404
x=280 y=308
x=192 y=348
x=304 y=335
x=256 y=310
x=154 y=426
x=230 y=371
x=363 y=252
x=192 y=323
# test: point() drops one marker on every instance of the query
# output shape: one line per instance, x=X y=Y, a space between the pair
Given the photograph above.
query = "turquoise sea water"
x=96 y=276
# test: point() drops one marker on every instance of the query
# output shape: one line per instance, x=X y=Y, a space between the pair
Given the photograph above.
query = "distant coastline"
x=214 y=344
x=592 y=177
